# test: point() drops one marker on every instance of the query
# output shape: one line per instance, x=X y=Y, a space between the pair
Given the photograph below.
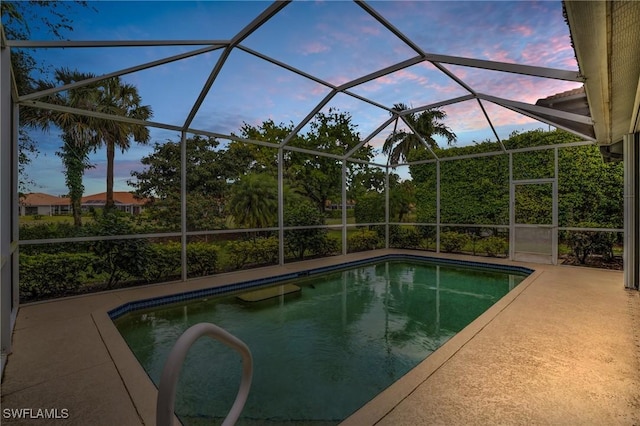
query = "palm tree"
x=117 y=98
x=427 y=124
x=82 y=133
x=78 y=133
x=254 y=200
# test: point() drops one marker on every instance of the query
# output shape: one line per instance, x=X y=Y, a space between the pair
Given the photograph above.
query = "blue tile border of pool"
x=196 y=294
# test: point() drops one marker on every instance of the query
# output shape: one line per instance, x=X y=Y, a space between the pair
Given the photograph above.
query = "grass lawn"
x=36 y=220
x=330 y=221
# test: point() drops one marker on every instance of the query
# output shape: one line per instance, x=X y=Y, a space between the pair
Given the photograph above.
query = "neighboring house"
x=330 y=205
x=38 y=203
x=50 y=205
x=124 y=201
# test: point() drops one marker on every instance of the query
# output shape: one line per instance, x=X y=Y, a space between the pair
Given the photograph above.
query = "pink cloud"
x=499 y=55
x=553 y=52
x=522 y=30
x=339 y=79
x=342 y=37
x=368 y=29
x=349 y=40
x=314 y=47
x=503 y=117
x=314 y=92
x=417 y=86
x=465 y=116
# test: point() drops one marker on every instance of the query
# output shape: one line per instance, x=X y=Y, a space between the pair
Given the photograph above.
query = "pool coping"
x=260 y=282
x=143 y=392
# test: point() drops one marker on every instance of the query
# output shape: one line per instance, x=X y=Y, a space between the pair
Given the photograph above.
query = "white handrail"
x=171 y=372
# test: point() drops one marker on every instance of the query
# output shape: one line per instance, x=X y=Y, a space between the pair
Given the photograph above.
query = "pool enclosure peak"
x=290 y=61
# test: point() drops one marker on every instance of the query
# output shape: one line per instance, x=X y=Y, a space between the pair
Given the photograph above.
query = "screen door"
x=535 y=230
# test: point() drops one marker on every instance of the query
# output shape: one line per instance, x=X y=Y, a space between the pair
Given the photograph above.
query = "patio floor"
x=561 y=348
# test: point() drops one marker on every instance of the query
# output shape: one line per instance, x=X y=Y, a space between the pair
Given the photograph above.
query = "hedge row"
x=411 y=238
x=259 y=251
x=109 y=265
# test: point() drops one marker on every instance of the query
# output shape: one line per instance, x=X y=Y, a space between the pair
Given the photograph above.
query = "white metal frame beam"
x=534 y=71
x=537 y=109
x=125 y=71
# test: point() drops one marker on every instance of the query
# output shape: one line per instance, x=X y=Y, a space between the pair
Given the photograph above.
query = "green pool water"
x=319 y=354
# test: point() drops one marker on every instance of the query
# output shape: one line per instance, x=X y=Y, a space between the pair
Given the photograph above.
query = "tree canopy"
x=423 y=127
x=221 y=175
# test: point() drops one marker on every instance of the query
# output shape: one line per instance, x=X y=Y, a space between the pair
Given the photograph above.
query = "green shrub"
x=259 y=251
x=363 y=240
x=119 y=259
x=453 y=242
x=164 y=262
x=266 y=250
x=494 y=246
x=333 y=214
x=238 y=253
x=585 y=243
x=202 y=259
x=369 y=208
x=300 y=241
x=328 y=246
x=427 y=236
x=45 y=231
x=381 y=231
x=404 y=238
x=48 y=275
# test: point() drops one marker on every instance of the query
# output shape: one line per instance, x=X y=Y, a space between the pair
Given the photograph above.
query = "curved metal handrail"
x=173 y=365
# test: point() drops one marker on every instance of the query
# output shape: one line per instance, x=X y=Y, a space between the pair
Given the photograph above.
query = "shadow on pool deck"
x=562 y=348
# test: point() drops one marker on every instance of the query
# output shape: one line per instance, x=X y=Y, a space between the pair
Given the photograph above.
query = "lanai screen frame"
x=12 y=101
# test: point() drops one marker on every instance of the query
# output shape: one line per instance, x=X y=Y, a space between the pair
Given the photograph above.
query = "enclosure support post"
x=512 y=218
x=438 y=207
x=9 y=291
x=183 y=204
x=344 y=207
x=554 y=203
x=631 y=159
x=386 y=208
x=280 y=207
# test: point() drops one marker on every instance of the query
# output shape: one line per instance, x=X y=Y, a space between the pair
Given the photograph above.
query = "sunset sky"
x=336 y=41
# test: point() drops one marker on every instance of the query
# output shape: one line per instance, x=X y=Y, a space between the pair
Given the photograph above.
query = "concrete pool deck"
x=562 y=348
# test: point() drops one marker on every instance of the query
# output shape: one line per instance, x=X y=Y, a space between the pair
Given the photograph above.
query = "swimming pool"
x=321 y=353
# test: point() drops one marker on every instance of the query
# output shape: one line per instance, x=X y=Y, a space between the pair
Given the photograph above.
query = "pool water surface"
x=321 y=353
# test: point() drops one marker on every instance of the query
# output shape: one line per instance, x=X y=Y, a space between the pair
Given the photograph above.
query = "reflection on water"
x=322 y=353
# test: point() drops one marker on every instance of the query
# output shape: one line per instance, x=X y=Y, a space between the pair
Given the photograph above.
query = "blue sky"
x=333 y=40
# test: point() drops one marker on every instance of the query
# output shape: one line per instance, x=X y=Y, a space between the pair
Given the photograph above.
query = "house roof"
x=572 y=101
x=119 y=197
x=42 y=199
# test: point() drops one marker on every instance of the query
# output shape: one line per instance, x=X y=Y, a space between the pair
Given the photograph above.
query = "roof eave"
x=588 y=27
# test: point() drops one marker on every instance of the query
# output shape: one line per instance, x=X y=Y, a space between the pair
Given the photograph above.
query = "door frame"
x=553 y=226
